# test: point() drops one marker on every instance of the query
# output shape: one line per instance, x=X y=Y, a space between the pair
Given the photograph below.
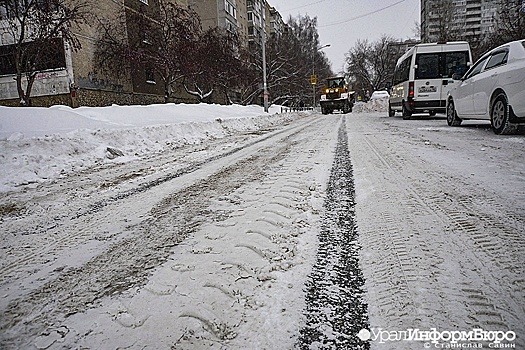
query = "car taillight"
x=411 y=89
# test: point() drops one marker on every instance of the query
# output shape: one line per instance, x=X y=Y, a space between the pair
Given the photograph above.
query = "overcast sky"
x=342 y=22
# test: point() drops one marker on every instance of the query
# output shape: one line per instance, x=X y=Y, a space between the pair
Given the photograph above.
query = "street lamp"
x=313 y=79
x=263 y=42
x=265 y=84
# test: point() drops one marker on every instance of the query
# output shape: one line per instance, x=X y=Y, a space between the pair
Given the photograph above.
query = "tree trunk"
x=30 y=82
x=20 y=89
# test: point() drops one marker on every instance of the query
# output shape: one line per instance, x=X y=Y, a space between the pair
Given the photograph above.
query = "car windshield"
x=335 y=83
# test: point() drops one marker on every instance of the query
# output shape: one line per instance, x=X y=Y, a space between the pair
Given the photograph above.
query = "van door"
x=453 y=62
x=427 y=84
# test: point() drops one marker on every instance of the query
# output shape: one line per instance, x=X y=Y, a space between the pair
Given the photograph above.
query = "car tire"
x=405 y=112
x=391 y=112
x=499 y=116
x=346 y=108
x=452 y=115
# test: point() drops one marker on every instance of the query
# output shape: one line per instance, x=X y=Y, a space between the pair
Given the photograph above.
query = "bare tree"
x=287 y=73
x=172 y=42
x=371 y=65
x=205 y=62
x=215 y=64
x=164 y=39
x=509 y=22
x=113 y=52
x=38 y=30
x=292 y=58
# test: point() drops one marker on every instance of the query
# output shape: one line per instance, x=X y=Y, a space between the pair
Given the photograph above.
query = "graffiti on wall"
x=92 y=81
x=46 y=83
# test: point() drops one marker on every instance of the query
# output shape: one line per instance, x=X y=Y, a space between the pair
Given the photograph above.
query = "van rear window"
x=439 y=65
x=428 y=66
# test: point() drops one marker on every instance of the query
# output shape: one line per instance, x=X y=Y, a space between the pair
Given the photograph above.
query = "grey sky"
x=342 y=22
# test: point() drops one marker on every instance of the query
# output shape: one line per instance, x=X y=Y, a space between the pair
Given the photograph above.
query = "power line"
x=411 y=16
x=361 y=16
x=300 y=7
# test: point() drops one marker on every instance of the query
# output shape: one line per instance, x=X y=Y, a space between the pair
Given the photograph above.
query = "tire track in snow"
x=128 y=263
x=464 y=244
x=335 y=311
x=61 y=231
x=255 y=255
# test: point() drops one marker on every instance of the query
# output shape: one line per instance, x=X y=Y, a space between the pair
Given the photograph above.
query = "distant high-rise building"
x=443 y=20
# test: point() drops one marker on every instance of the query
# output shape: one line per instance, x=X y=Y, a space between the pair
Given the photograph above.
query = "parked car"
x=377 y=95
x=492 y=89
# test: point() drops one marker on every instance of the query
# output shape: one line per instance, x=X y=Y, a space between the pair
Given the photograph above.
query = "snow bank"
x=38 y=144
x=377 y=105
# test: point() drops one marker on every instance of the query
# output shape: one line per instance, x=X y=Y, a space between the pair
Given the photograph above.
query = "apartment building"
x=277 y=26
x=218 y=13
x=73 y=78
x=249 y=19
x=470 y=19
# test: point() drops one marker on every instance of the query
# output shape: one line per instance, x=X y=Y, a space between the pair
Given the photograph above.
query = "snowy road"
x=441 y=217
x=255 y=241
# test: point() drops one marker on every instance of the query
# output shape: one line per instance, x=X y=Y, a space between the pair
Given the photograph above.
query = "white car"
x=377 y=95
x=492 y=89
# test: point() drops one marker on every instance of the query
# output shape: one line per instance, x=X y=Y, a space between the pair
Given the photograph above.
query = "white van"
x=423 y=77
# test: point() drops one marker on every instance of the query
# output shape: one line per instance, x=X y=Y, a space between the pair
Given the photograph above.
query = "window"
x=476 y=68
x=4 y=12
x=497 y=59
x=46 y=5
x=402 y=72
x=231 y=27
x=427 y=66
x=455 y=63
x=39 y=57
x=230 y=9
x=441 y=65
x=150 y=76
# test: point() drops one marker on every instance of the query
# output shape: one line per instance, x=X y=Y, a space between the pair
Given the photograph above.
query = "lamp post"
x=263 y=44
x=313 y=79
x=265 y=84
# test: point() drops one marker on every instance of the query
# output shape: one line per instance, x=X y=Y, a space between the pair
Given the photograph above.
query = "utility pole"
x=313 y=78
x=263 y=39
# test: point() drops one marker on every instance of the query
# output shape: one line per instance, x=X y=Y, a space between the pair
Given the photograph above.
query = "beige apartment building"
x=74 y=78
x=249 y=19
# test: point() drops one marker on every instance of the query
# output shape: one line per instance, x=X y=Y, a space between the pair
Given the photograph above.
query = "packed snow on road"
x=224 y=227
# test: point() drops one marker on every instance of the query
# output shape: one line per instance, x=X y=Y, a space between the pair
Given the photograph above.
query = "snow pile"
x=376 y=105
x=38 y=144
